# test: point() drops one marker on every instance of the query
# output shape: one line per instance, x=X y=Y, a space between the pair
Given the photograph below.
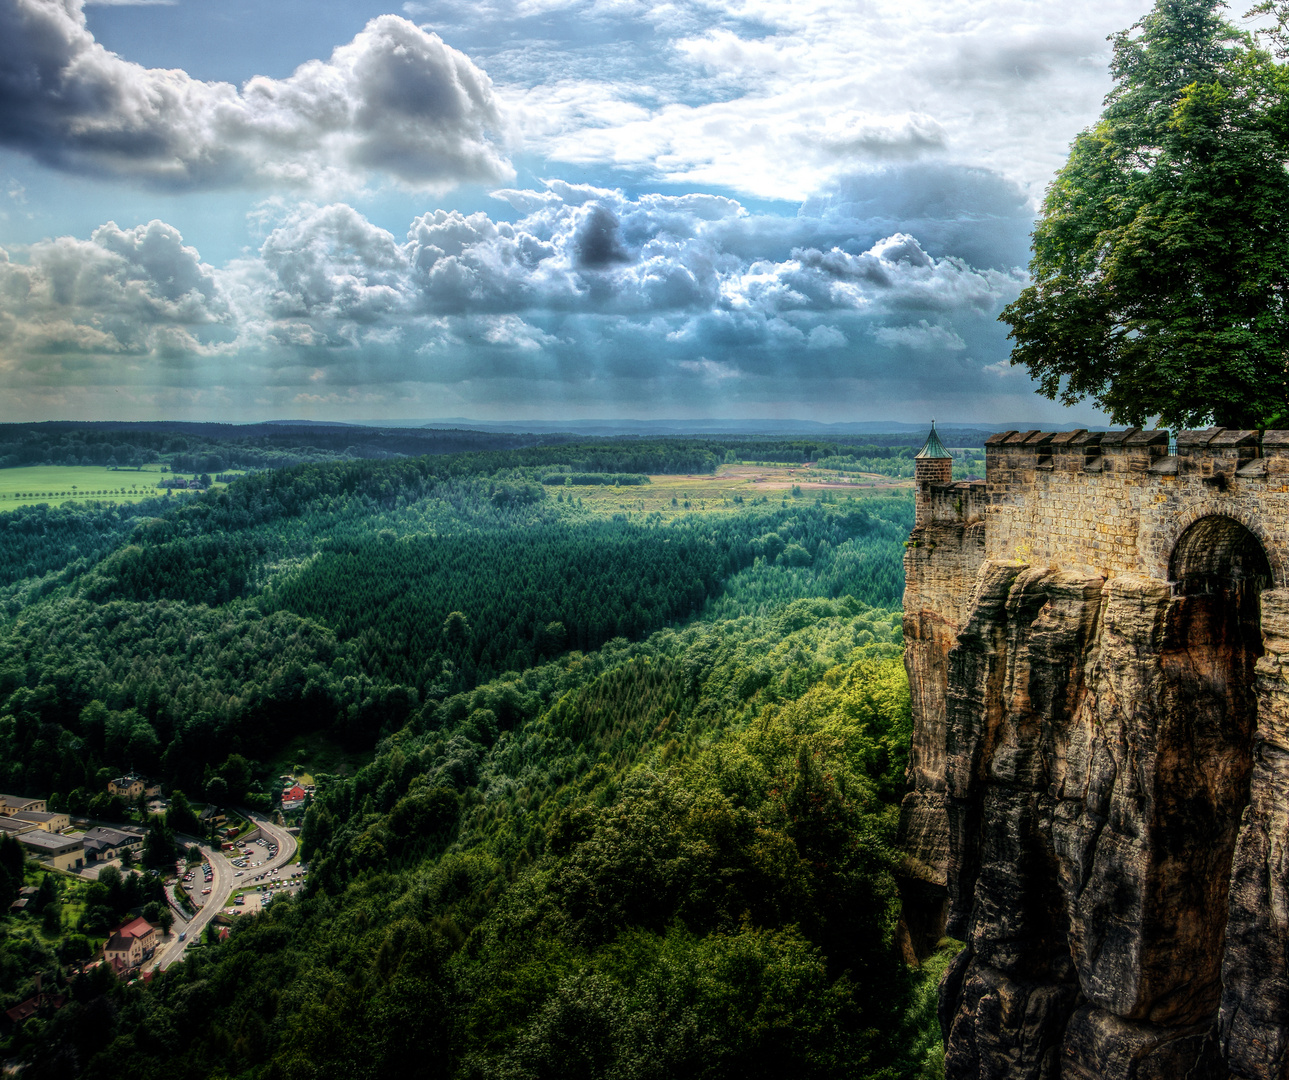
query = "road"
x=223 y=883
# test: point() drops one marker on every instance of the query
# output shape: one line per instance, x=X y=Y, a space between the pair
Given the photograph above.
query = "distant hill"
x=869 y=432
x=213 y=447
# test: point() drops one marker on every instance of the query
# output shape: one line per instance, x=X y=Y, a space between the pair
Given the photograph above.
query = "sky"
x=543 y=209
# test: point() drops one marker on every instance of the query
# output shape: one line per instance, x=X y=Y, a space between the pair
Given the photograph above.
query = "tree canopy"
x=1161 y=258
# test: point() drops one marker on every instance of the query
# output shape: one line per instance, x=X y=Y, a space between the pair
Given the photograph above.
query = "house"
x=35 y=1004
x=293 y=798
x=131 y=945
x=128 y=787
x=212 y=815
x=25 y=895
x=60 y=852
x=12 y=827
x=11 y=804
x=103 y=843
x=49 y=821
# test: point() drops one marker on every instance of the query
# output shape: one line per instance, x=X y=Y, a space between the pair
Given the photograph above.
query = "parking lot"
x=198 y=888
x=251 y=854
x=265 y=887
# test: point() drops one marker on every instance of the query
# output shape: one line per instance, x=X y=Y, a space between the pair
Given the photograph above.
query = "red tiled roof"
x=32 y=1005
x=139 y=927
x=22 y=1012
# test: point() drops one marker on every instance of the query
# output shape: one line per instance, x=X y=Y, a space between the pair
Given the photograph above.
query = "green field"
x=708 y=493
x=83 y=483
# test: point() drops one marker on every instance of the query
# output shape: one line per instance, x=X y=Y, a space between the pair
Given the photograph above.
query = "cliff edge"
x=1099 y=777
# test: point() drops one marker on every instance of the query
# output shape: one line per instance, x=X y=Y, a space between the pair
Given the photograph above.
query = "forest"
x=632 y=783
x=214 y=448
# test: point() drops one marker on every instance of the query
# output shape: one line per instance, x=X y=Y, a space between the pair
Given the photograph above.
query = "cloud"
x=826 y=337
x=922 y=337
x=395 y=101
x=82 y=305
x=589 y=294
x=777 y=100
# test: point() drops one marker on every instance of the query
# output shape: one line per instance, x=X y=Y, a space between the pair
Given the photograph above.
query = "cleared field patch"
x=317 y=753
x=55 y=484
x=729 y=489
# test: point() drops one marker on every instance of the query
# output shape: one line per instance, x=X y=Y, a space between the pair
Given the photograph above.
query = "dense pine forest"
x=630 y=777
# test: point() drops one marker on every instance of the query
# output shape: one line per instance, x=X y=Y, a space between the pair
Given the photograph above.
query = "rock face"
x=1099 y=803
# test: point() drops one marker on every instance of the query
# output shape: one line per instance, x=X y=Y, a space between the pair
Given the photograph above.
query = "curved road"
x=222 y=885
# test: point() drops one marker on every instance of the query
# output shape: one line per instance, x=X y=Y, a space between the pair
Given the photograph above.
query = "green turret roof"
x=933 y=447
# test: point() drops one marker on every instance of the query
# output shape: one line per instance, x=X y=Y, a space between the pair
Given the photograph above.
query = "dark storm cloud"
x=598 y=240
x=973 y=213
x=396 y=99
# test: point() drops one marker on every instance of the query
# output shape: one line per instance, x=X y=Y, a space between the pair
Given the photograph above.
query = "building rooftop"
x=104 y=837
x=50 y=843
x=138 y=927
x=933 y=447
x=36 y=815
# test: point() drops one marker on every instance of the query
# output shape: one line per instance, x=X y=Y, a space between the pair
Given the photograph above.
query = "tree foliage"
x=632 y=799
x=1161 y=260
x=677 y=862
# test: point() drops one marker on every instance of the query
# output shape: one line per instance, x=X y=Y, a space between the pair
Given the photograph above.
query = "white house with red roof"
x=132 y=944
x=293 y=798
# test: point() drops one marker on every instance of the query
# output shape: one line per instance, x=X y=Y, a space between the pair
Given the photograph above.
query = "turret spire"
x=933 y=447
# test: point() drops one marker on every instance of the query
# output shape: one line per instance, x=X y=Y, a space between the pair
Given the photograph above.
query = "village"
x=124 y=900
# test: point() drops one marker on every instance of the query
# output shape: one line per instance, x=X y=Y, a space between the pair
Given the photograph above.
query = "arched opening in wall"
x=1212 y=639
x=1218 y=555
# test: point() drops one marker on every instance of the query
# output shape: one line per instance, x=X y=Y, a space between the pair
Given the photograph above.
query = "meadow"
x=731 y=487
x=37 y=484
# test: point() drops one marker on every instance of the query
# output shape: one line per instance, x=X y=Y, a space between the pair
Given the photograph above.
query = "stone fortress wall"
x=1099 y=775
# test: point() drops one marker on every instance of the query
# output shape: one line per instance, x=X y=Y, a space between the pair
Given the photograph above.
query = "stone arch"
x=1218 y=553
x=1164 y=538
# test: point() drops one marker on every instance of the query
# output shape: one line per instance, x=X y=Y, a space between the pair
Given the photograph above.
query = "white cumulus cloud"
x=395 y=101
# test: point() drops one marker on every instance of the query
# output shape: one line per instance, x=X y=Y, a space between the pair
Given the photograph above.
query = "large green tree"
x=1161 y=258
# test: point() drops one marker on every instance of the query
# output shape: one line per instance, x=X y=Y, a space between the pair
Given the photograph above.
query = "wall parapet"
x=1010 y=455
x=962 y=501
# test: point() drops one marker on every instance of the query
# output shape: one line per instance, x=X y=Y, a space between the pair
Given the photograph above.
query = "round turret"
x=933 y=464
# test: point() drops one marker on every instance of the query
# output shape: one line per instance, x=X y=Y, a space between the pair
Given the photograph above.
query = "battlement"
x=1010 y=455
x=1112 y=502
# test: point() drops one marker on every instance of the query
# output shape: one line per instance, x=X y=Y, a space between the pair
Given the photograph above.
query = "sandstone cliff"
x=1099 y=803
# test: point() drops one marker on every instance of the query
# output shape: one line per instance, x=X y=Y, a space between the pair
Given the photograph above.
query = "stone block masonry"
x=1097 y=642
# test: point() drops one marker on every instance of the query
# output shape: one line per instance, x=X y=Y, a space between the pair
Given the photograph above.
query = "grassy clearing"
x=35 y=484
x=317 y=753
x=724 y=490
x=76 y=483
